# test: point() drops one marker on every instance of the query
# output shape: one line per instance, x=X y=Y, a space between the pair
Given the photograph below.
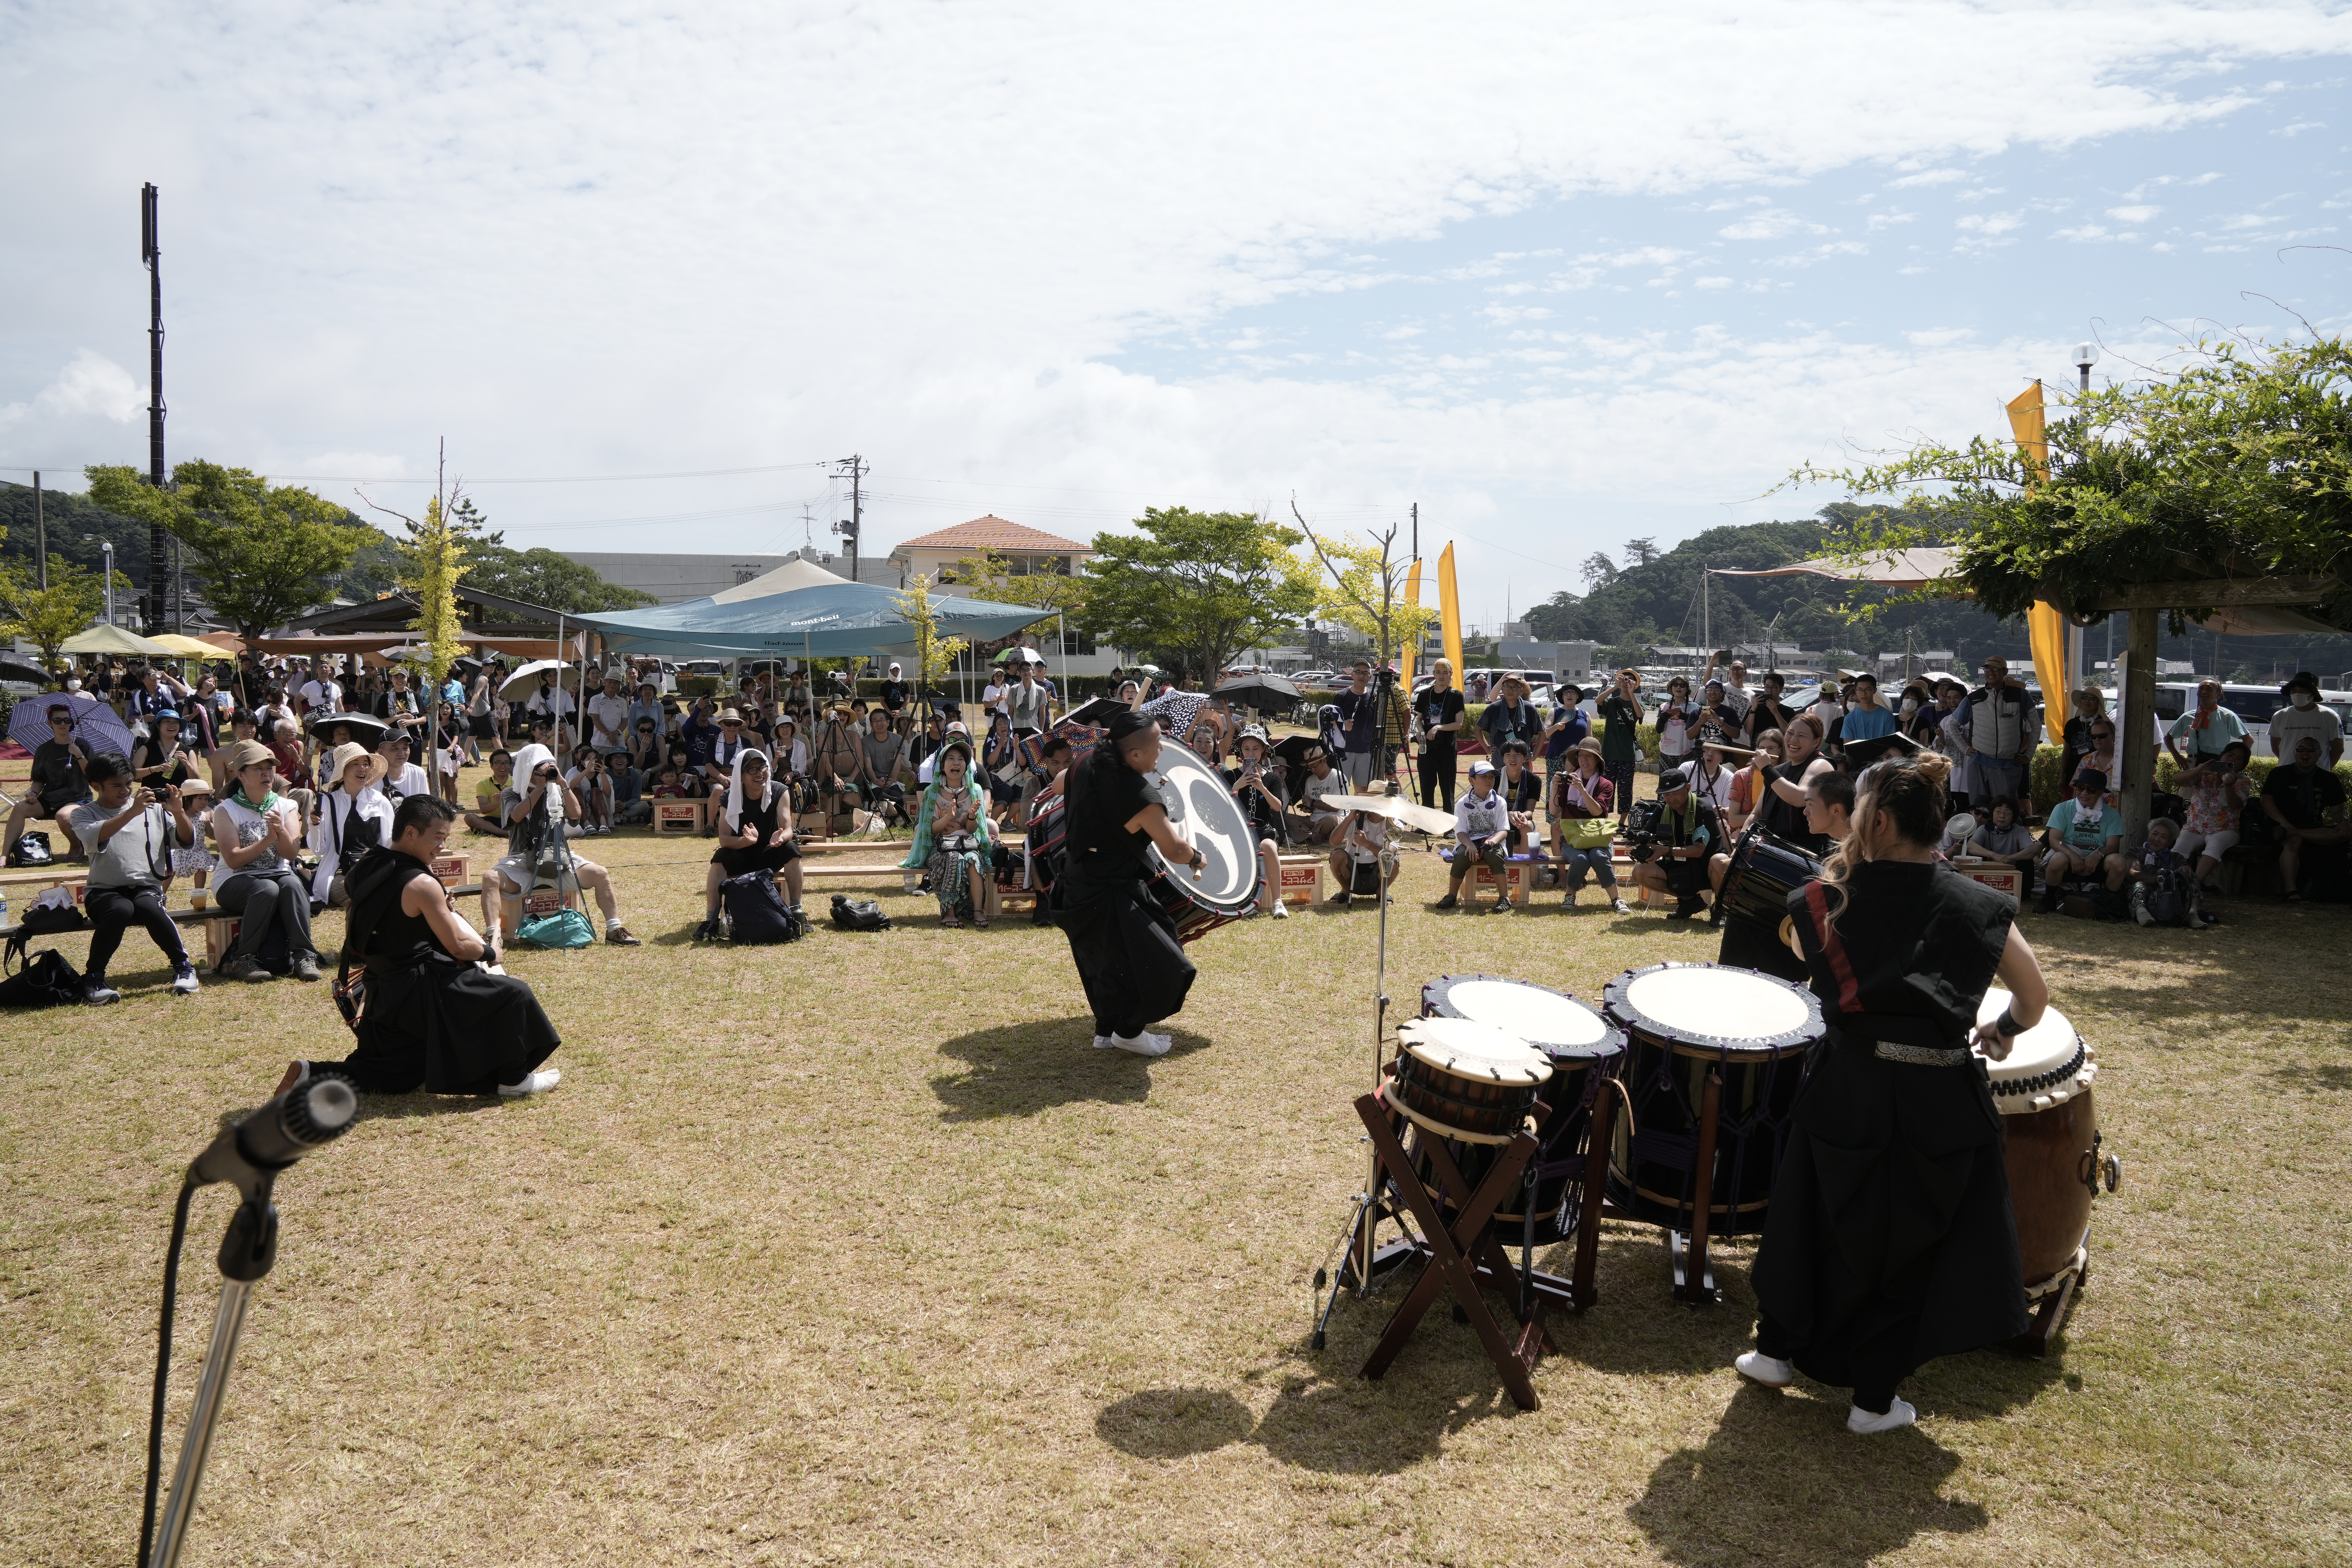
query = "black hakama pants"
x=448 y=1026
x=1129 y=959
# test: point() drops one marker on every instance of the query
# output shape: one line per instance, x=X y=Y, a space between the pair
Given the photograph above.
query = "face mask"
x=2303 y=700
x=1910 y=705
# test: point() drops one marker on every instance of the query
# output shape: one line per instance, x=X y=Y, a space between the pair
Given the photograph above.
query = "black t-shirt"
x=1784 y=821
x=2302 y=797
x=759 y=815
x=1103 y=800
x=1912 y=956
x=1436 y=707
x=893 y=695
x=1768 y=713
x=56 y=773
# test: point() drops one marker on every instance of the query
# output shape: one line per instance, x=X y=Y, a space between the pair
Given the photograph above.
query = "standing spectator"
x=1028 y=704
x=1767 y=712
x=1482 y=823
x=1830 y=707
x=1360 y=725
x=2305 y=715
x=1439 y=708
x=896 y=692
x=132 y=836
x=1568 y=729
x=481 y=731
x=1868 y=718
x=1583 y=835
x=2214 y=791
x=1996 y=720
x=1620 y=745
x=1511 y=716
x=401 y=778
x=259 y=832
x=1711 y=721
x=644 y=717
x=398 y=706
x=1737 y=699
x=321 y=694
x=2208 y=728
x=2100 y=759
x=1256 y=782
x=2075 y=739
x=608 y=716
x=840 y=769
x=2305 y=804
x=2085 y=839
x=1677 y=725
x=991 y=696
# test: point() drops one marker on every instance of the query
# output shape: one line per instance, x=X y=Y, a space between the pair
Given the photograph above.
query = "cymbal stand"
x=1366 y=1258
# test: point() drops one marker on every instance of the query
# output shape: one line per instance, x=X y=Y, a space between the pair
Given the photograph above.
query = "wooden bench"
x=40 y=879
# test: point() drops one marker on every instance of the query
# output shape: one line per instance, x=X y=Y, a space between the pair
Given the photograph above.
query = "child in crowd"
x=1356 y=856
x=594 y=785
x=1481 y=824
x=2162 y=890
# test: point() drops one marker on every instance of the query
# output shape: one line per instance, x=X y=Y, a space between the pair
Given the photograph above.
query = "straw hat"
x=730 y=716
x=344 y=755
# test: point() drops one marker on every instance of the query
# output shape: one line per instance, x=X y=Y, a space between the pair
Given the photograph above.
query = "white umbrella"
x=526 y=679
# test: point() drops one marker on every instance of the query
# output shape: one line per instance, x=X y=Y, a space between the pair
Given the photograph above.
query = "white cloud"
x=1930 y=177
x=1939 y=337
x=1712 y=283
x=89 y=384
x=1771 y=224
x=2134 y=215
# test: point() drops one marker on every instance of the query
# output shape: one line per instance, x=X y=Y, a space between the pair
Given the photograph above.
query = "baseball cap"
x=1481 y=766
x=1673 y=779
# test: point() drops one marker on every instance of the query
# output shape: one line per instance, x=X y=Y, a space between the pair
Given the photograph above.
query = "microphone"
x=267 y=1140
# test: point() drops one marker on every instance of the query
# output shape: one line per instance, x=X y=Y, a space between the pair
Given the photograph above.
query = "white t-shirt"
x=554 y=703
x=1315 y=789
x=2289 y=725
x=410 y=780
x=613 y=712
x=993 y=697
x=1479 y=816
x=1375 y=830
x=322 y=696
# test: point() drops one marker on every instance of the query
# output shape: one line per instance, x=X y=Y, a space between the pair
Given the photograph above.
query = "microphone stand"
x=247 y=1252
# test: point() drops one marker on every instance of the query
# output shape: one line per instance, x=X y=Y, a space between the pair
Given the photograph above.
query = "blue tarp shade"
x=802 y=608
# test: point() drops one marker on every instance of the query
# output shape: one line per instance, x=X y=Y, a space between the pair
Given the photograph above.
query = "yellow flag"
x=1449 y=612
x=2047 y=630
x=2033 y=438
x=1413 y=636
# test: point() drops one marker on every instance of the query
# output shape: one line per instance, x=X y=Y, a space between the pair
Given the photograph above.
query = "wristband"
x=2005 y=1026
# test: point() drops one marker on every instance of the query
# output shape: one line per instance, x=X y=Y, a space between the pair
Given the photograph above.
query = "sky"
x=1562 y=278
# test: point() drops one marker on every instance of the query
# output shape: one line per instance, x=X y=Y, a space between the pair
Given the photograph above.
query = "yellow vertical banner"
x=2047 y=629
x=1413 y=624
x=1449 y=612
x=2026 y=422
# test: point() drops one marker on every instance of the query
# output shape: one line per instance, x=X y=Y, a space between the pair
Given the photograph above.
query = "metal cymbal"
x=1397 y=808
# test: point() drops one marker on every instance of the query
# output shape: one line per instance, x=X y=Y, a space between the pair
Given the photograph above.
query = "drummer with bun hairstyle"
x=1890 y=1239
x=1126 y=947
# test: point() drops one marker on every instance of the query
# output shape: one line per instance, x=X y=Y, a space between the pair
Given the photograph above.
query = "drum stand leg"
x=2050 y=1314
x=1450 y=1256
x=1598 y=1143
x=1694 y=1281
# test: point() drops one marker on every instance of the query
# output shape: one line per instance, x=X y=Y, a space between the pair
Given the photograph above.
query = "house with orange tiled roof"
x=1027 y=549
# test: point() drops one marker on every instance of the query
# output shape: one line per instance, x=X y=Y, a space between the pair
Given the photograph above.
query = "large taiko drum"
x=1763 y=872
x=1043 y=846
x=2052 y=1151
x=1206 y=817
x=1577 y=1040
x=1686 y=1020
x=1466 y=1080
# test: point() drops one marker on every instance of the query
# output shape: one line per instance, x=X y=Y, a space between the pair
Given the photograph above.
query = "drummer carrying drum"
x=1890 y=1239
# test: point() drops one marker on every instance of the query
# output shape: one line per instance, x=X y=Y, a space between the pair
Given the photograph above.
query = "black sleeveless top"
x=1911 y=957
x=1786 y=822
x=376 y=889
x=1103 y=800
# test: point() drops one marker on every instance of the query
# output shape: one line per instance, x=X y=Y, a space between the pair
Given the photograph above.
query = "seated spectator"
x=1748 y=785
x=1322 y=779
x=294 y=774
x=885 y=745
x=192 y=860
x=839 y=769
x=1482 y=823
x=1043 y=782
x=755 y=833
x=689 y=777
x=629 y=803
x=2085 y=840
x=58 y=783
x=668 y=785
x=1584 y=827
x=1355 y=847
x=1255 y=783
x=484 y=817
x=2306 y=805
x=2214 y=791
x=1522 y=793
x=789 y=758
x=161 y=760
x=537 y=808
x=401 y=778
x=999 y=768
x=645 y=743
x=437 y=1013
x=952 y=837
x=2101 y=758
x=2003 y=836
x=2162 y=890
x=1711 y=777
x=448 y=751
x=593 y=788
x=258 y=832
x=1688 y=835
x=353 y=818
x=132 y=835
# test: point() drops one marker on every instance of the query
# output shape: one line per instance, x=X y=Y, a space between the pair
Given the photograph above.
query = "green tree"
x=1361 y=586
x=935 y=656
x=47 y=617
x=260 y=553
x=989 y=576
x=1205 y=582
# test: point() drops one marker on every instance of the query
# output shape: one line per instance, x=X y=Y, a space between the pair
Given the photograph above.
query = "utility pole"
x=151 y=251
x=40 y=536
x=854 y=469
x=1416 y=530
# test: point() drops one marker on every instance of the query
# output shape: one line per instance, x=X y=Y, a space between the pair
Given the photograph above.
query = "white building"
x=674 y=579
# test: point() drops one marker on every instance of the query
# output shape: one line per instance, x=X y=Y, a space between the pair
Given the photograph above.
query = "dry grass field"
x=854 y=1252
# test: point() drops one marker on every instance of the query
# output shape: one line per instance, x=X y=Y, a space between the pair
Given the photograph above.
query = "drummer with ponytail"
x=1890 y=1239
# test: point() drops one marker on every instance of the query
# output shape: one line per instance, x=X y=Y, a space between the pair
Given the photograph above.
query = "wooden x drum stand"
x=1460 y=1256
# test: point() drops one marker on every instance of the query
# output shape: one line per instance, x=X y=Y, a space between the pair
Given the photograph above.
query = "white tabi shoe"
x=539 y=1082
x=1770 y=1370
x=1144 y=1045
x=1864 y=1424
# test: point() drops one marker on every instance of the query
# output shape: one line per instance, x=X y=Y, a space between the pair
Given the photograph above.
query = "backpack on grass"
x=858 y=914
x=756 y=912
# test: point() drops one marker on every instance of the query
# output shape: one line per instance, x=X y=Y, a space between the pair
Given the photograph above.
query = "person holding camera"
x=131 y=833
x=1673 y=837
x=534 y=811
x=354 y=816
x=1482 y=823
x=1621 y=713
x=1256 y=782
x=593 y=788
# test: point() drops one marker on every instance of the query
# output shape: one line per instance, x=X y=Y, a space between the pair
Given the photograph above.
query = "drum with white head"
x=1583 y=1048
x=2042 y=1090
x=1687 y=1020
x=1465 y=1080
x=1205 y=816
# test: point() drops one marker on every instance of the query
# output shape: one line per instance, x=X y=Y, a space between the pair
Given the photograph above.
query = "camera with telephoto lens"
x=1642 y=830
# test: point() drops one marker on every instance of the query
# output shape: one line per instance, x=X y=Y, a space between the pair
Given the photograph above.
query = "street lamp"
x=2085 y=356
x=108 y=546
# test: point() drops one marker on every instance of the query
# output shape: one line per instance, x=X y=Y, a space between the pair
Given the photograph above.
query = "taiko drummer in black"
x=1890 y=1239
x=1127 y=949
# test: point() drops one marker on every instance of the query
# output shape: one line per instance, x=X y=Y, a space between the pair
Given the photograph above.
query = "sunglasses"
x=2103 y=734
